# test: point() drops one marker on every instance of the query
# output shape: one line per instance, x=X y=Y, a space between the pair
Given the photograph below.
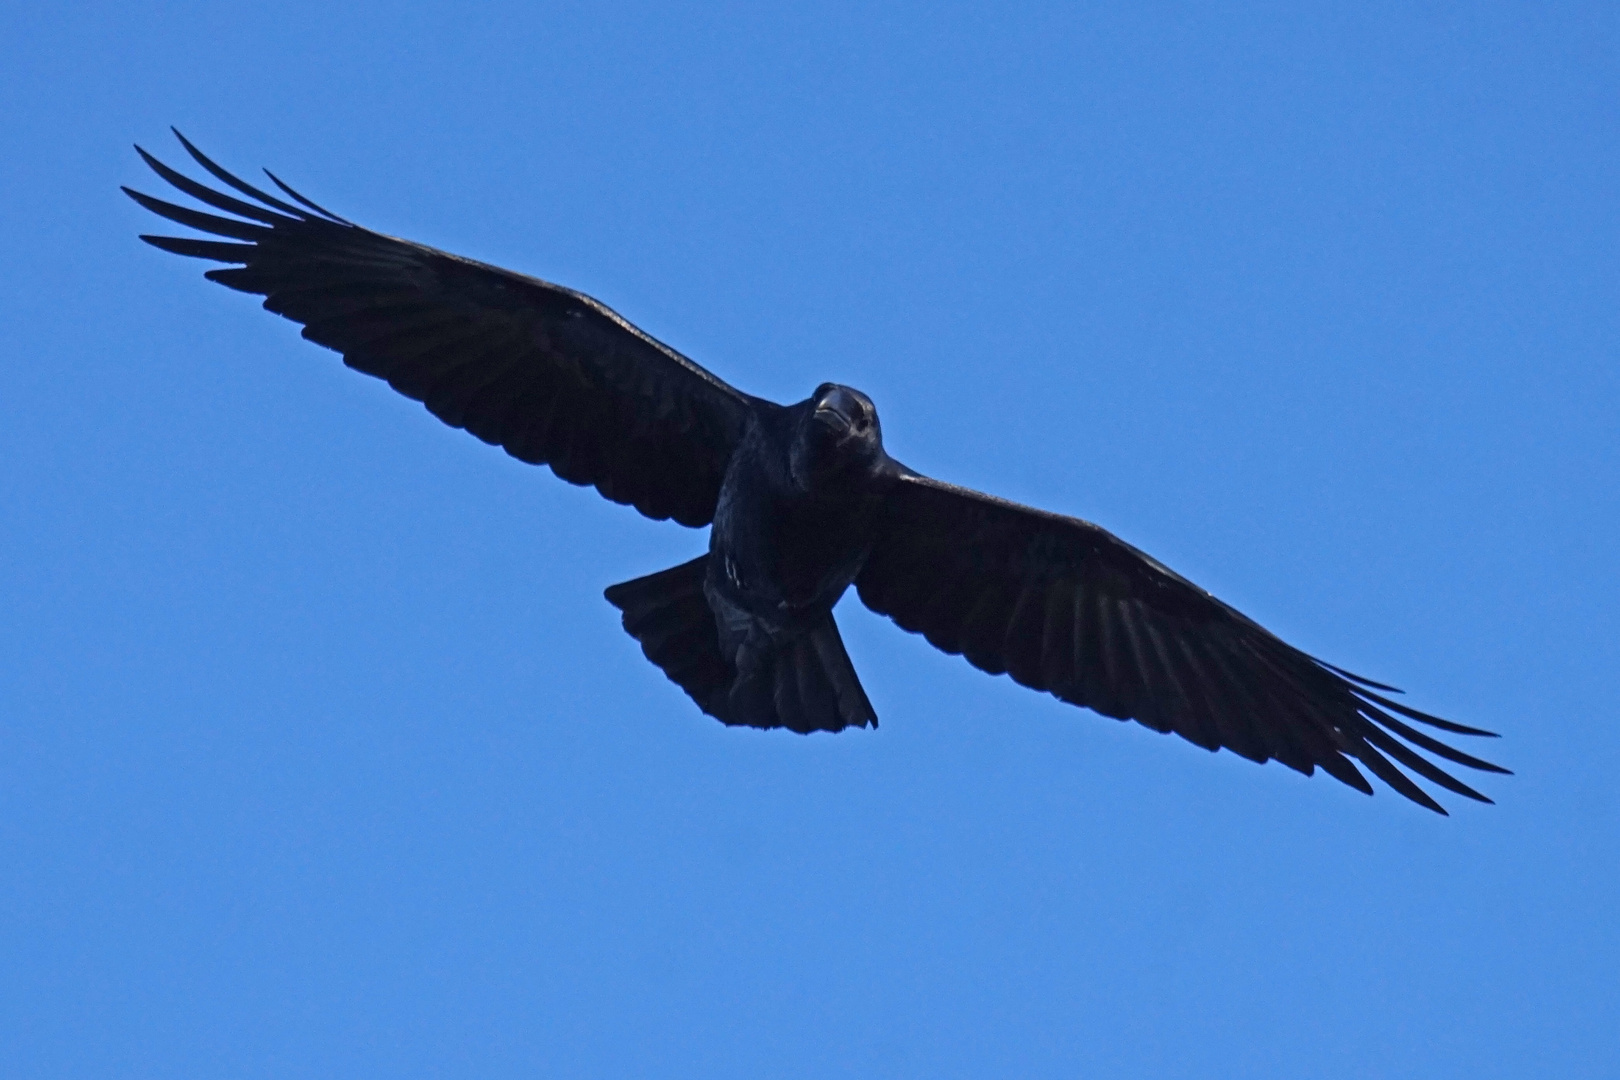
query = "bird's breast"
x=777 y=549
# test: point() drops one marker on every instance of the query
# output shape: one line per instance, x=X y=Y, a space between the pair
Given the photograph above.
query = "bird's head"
x=839 y=432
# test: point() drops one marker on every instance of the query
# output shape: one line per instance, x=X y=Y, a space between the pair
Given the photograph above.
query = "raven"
x=803 y=502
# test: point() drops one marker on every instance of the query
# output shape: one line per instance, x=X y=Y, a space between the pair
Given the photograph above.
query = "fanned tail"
x=803 y=681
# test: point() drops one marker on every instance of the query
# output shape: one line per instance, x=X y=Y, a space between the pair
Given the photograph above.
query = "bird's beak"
x=833 y=418
x=834 y=411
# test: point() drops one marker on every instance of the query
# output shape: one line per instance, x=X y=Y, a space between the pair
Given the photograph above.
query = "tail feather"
x=668 y=614
x=812 y=684
x=803 y=696
x=840 y=673
x=802 y=681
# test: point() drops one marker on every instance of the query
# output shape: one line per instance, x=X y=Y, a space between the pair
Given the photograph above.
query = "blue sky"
x=323 y=755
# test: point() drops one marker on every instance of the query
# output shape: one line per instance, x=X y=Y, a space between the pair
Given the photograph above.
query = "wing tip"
x=301 y=200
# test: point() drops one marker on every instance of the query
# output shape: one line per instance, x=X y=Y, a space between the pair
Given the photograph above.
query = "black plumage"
x=803 y=503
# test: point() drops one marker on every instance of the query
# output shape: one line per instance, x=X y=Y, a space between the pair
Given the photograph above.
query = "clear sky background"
x=322 y=756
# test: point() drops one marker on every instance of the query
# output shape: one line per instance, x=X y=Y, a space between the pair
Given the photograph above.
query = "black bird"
x=803 y=503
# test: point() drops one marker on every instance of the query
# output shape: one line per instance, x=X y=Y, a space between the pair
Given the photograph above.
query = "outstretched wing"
x=1064 y=606
x=549 y=374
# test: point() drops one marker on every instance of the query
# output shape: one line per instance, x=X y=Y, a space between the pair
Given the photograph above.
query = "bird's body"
x=804 y=503
x=792 y=528
x=792 y=539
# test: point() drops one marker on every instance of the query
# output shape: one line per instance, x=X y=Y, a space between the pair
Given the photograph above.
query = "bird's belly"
x=788 y=559
x=816 y=569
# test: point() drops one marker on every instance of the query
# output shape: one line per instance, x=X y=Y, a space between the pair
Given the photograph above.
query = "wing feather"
x=1064 y=606
x=549 y=374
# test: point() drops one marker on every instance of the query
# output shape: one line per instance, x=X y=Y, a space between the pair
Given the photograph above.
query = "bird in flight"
x=802 y=502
